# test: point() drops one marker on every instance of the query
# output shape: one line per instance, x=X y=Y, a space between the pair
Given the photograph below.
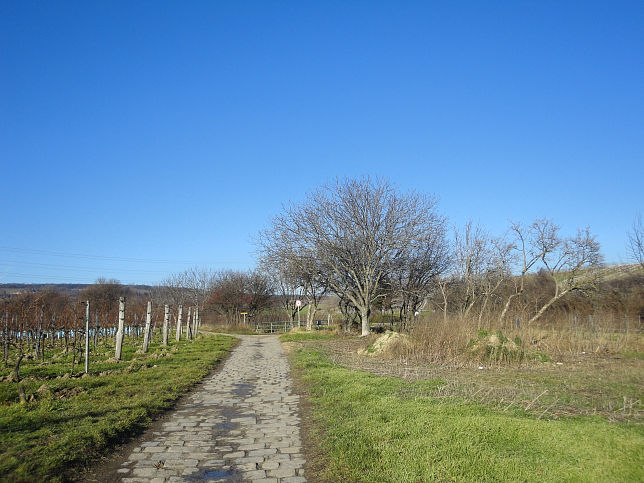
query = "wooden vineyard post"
x=166 y=320
x=146 y=334
x=87 y=338
x=121 y=330
x=188 y=324
x=196 y=323
x=179 y=323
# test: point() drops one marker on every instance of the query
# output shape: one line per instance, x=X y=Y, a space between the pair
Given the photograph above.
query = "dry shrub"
x=468 y=341
x=439 y=342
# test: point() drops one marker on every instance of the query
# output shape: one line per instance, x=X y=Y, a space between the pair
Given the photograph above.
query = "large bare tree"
x=355 y=233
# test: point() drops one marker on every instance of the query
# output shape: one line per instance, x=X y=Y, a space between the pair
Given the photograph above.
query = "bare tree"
x=636 y=241
x=234 y=292
x=531 y=244
x=174 y=289
x=258 y=292
x=355 y=232
x=296 y=279
x=198 y=281
x=104 y=296
x=226 y=296
x=471 y=259
x=572 y=264
x=419 y=272
x=288 y=289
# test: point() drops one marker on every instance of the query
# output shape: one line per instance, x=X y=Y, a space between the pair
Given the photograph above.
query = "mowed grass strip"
x=303 y=336
x=83 y=417
x=386 y=429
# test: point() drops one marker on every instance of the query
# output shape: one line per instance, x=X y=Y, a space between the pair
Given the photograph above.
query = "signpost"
x=298 y=304
x=244 y=314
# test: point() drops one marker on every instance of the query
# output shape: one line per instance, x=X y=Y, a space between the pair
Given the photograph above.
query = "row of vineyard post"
x=192 y=328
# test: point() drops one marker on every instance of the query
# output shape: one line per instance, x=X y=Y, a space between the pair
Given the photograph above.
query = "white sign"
x=298 y=303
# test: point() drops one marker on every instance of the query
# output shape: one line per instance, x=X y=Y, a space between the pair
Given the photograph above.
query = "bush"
x=496 y=347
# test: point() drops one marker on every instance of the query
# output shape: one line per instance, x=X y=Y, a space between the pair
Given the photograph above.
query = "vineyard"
x=79 y=376
x=41 y=326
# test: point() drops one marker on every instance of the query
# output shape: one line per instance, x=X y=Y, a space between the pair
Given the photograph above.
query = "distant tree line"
x=375 y=251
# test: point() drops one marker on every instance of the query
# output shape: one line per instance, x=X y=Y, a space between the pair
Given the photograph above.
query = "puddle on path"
x=230 y=475
x=220 y=426
x=242 y=389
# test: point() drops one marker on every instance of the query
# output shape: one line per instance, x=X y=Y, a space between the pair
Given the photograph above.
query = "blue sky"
x=140 y=138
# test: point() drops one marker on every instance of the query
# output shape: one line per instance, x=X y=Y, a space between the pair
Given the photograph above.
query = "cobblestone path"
x=241 y=425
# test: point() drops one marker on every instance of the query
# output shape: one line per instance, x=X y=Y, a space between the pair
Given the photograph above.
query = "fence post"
x=179 y=322
x=195 y=323
x=121 y=329
x=146 y=334
x=87 y=338
x=189 y=324
x=166 y=320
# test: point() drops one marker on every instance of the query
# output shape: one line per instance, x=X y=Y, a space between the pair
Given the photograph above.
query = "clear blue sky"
x=140 y=138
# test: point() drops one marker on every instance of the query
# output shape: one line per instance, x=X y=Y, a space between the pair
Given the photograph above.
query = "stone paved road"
x=242 y=425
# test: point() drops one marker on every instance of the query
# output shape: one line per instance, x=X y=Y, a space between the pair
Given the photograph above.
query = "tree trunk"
x=541 y=311
x=310 y=314
x=507 y=305
x=364 y=316
x=16 y=368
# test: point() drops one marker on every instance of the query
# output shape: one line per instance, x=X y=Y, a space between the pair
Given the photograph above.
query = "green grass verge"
x=79 y=418
x=301 y=336
x=386 y=429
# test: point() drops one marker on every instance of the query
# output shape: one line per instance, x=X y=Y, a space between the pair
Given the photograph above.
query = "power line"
x=51 y=266
x=105 y=257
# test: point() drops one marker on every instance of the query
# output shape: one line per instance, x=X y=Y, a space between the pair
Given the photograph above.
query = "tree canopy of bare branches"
x=234 y=292
x=352 y=235
x=636 y=241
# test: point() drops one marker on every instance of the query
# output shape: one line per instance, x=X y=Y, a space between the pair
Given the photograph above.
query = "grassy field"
x=369 y=427
x=69 y=420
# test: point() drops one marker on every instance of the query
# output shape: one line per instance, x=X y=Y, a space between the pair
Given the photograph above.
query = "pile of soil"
x=388 y=343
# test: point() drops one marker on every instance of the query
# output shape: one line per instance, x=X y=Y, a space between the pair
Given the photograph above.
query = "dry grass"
x=441 y=342
x=579 y=385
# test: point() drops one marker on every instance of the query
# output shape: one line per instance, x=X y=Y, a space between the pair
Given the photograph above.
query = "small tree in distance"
x=636 y=241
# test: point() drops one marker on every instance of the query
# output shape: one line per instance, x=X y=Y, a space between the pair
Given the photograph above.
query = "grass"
x=374 y=428
x=302 y=336
x=235 y=329
x=76 y=419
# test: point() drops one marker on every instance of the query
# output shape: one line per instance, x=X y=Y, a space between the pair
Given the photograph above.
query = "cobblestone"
x=241 y=425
